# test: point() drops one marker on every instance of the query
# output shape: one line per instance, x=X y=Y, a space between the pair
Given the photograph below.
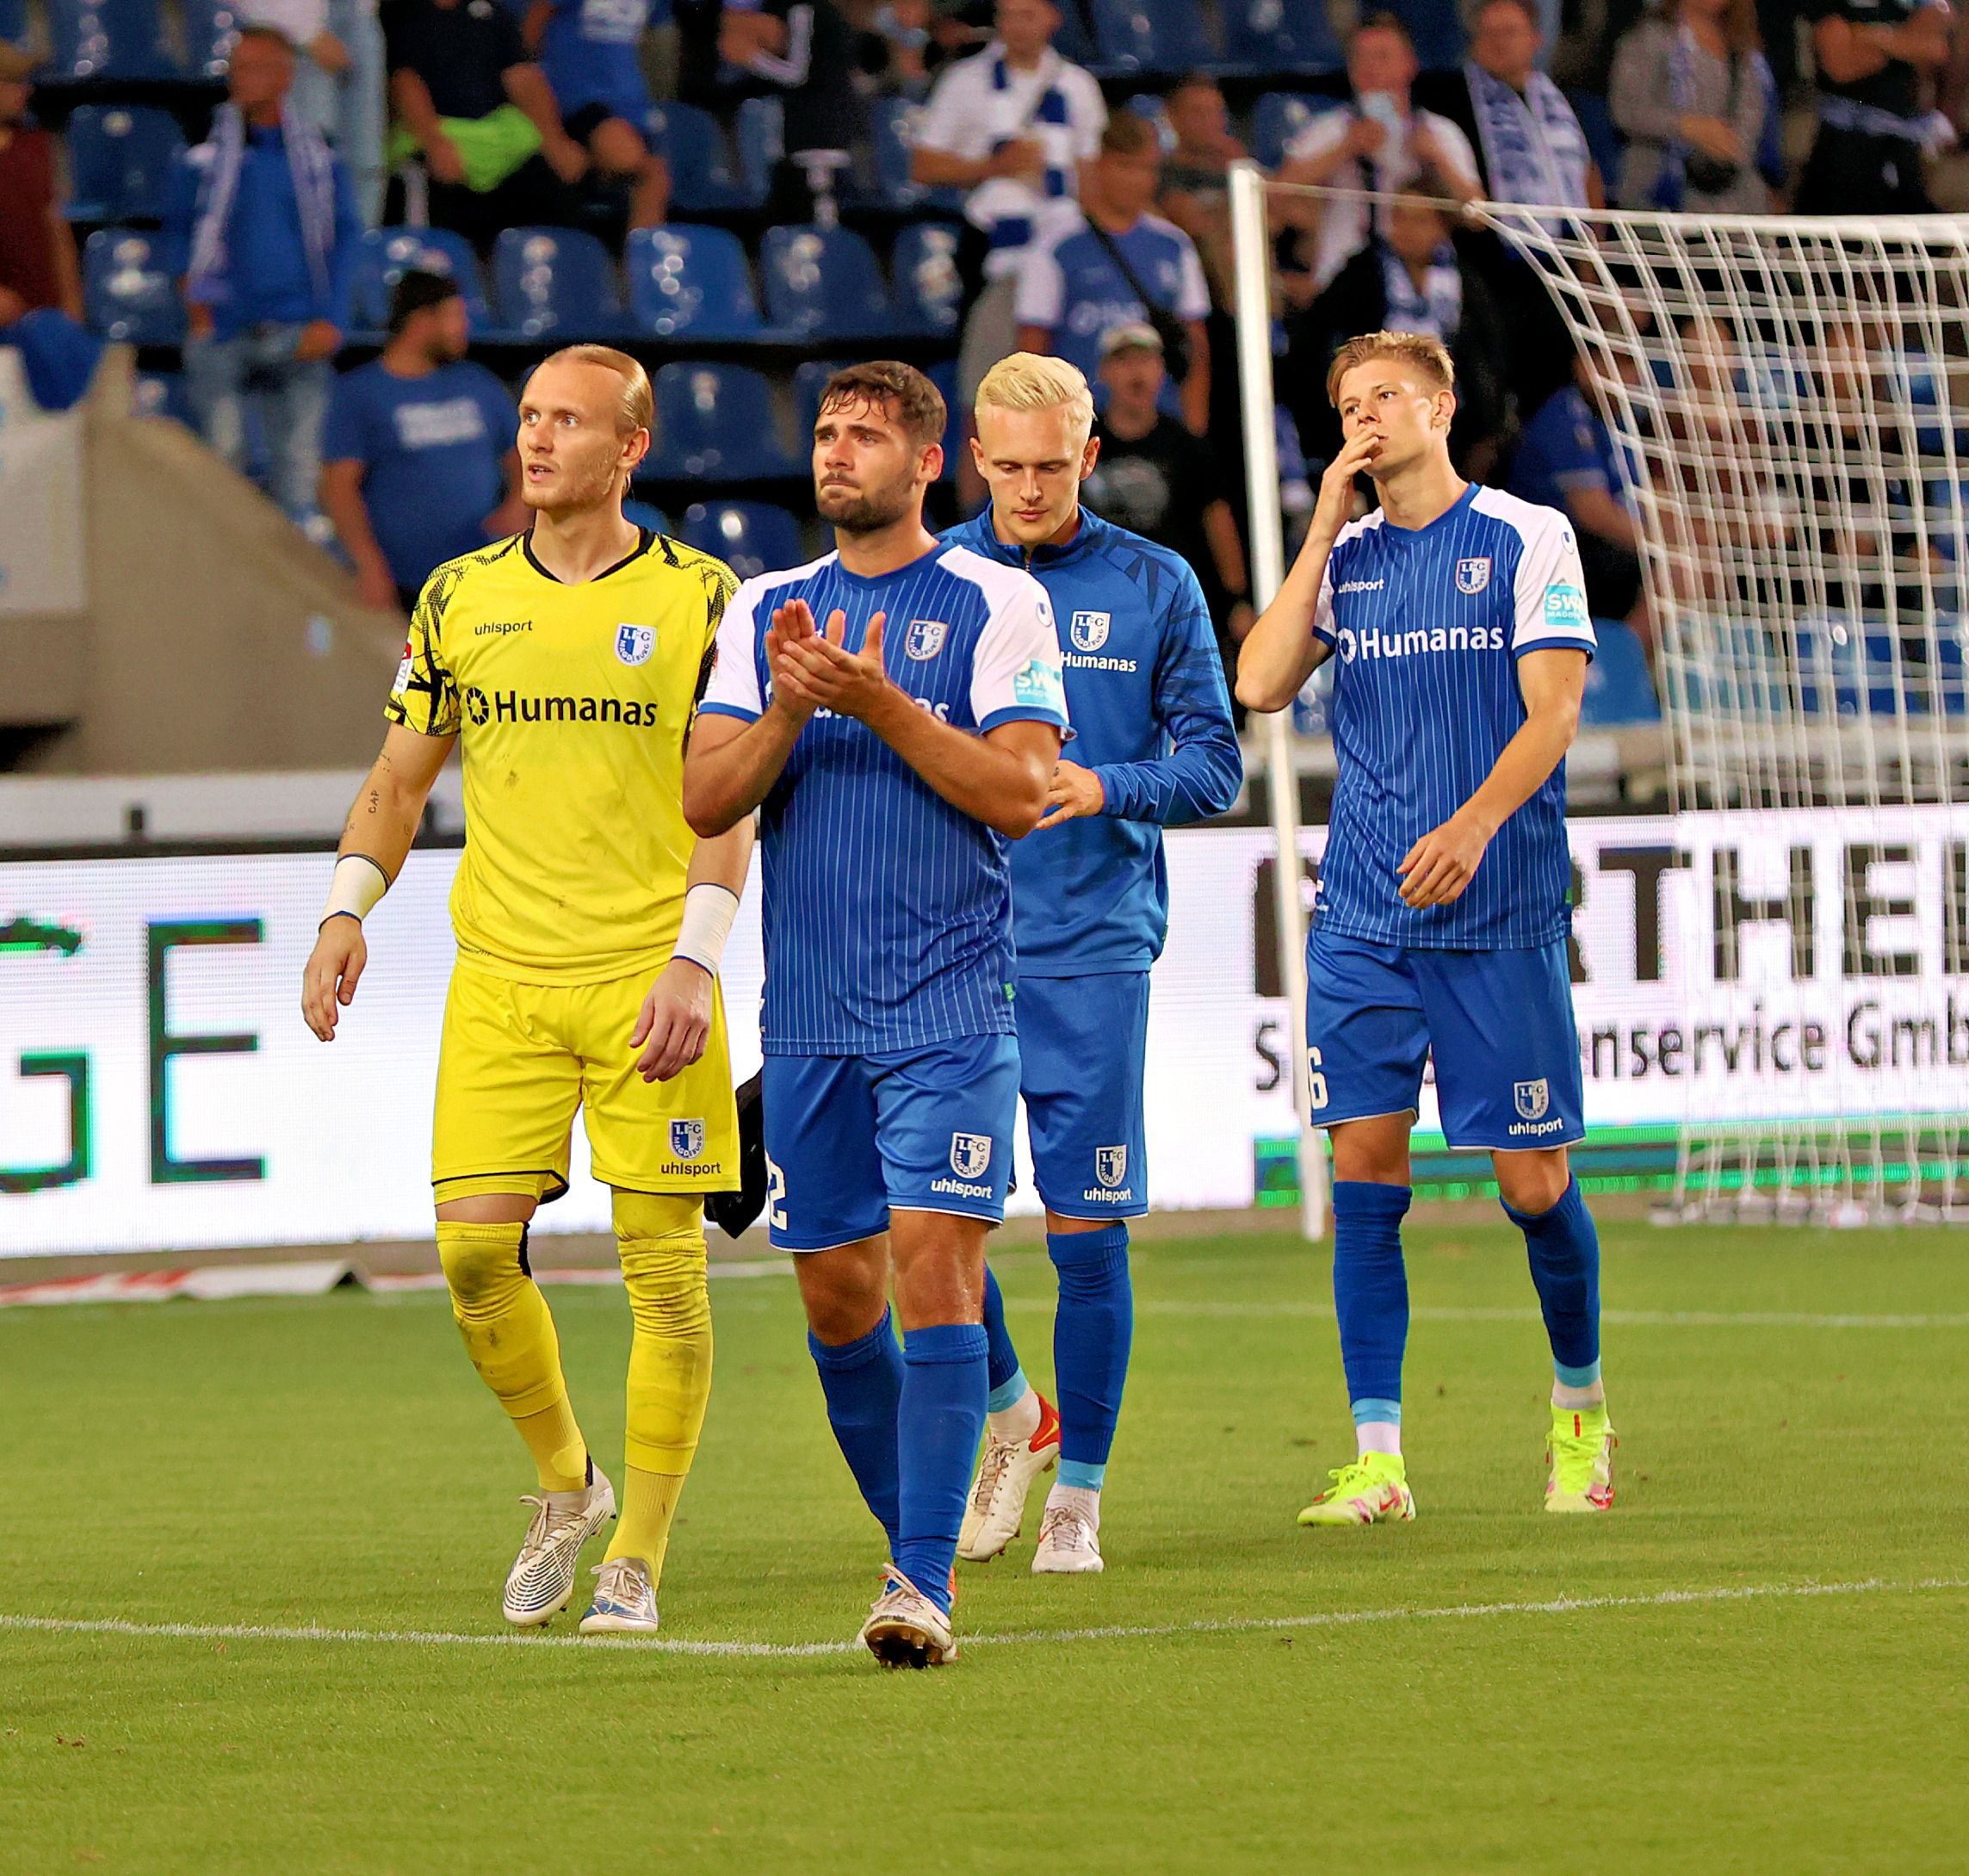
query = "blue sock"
x=1007 y=1378
x=1092 y=1331
x=937 y=1433
x=1370 y=1293
x=1564 y=1251
x=863 y=1383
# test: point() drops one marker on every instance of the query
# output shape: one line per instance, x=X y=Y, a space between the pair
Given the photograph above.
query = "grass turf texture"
x=335 y=1463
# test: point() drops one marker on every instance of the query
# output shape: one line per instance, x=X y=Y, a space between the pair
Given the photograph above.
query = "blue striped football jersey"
x=887 y=911
x=1427 y=627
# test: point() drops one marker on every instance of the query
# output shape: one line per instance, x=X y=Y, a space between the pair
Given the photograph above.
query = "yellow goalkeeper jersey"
x=573 y=704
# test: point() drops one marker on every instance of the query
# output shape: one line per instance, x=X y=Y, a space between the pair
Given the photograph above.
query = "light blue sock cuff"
x=1080 y=1474
x=1365 y=1411
x=1008 y=1394
x=1576 y=1377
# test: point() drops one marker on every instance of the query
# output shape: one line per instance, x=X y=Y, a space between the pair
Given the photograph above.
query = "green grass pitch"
x=1769 y=1672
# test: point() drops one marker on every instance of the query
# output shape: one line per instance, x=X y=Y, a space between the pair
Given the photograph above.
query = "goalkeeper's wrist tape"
x=359 y=882
x=709 y=911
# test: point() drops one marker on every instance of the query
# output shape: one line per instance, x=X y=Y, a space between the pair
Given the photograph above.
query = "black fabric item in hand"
x=734 y=1213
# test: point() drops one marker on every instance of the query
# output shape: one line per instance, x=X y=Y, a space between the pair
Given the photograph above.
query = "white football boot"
x=540 y=1583
x=1068 y=1543
x=995 y=1511
x=624 y=1602
x=905 y=1629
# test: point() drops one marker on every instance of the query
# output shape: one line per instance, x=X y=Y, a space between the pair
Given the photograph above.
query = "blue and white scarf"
x=1051 y=109
x=1534 y=151
x=1436 y=307
x=311 y=164
x=1670 y=192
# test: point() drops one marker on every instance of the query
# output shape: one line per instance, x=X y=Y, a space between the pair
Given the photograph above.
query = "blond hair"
x=638 y=403
x=1425 y=354
x=1031 y=382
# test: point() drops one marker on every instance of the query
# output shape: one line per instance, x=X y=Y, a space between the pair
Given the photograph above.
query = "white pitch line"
x=1620 y=1318
x=1665 y=1599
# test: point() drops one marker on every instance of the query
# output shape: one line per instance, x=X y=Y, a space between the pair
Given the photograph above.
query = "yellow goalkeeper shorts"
x=518 y=1059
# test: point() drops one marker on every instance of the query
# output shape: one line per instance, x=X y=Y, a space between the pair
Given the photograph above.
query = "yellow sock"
x=643 y=1527
x=509 y=1334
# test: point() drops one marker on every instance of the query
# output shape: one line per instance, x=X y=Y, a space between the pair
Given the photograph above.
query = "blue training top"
x=1146 y=693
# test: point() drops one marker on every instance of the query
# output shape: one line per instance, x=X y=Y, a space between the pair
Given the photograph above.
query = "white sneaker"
x=1068 y=1544
x=996 y=1509
x=905 y=1629
x=624 y=1602
x=540 y=1583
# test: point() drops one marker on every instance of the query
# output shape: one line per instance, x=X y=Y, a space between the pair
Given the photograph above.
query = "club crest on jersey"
x=1473 y=575
x=1532 y=1098
x=1089 y=630
x=1110 y=1166
x=687 y=1138
x=924 y=639
x=633 y=643
x=970 y=1154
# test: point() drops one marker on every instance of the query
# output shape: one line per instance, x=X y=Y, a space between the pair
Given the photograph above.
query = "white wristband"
x=359 y=882
x=709 y=911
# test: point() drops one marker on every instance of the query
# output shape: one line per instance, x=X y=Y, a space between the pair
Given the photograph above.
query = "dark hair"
x=899 y=391
x=416 y=290
x=272 y=34
x=1381 y=22
x=1129 y=135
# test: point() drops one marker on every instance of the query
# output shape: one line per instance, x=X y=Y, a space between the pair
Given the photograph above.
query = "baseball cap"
x=1137 y=335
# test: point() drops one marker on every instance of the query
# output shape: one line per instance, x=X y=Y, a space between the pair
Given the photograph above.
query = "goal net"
x=1789 y=399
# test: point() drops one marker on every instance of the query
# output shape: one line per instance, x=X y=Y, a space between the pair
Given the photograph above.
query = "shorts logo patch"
x=1473 y=575
x=633 y=643
x=1110 y=1166
x=687 y=1138
x=970 y=1154
x=1089 y=630
x=1532 y=1098
x=924 y=639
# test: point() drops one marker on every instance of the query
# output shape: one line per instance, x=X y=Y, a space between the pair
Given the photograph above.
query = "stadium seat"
x=689 y=281
x=390 y=253
x=808 y=381
x=890 y=176
x=1436 y=27
x=944 y=375
x=928 y=294
x=823 y=283
x=1269 y=37
x=1617 y=687
x=1149 y=35
x=162 y=393
x=758 y=137
x=109 y=38
x=210 y=27
x=1603 y=139
x=129 y=286
x=716 y=423
x=119 y=160
x=1280 y=116
x=750 y=537
x=15 y=28
x=643 y=515
x=555 y=283
x=702 y=179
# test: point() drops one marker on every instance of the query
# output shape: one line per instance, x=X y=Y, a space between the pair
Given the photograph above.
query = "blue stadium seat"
x=119 y=160
x=690 y=280
x=1149 y=35
x=928 y=295
x=716 y=423
x=162 y=393
x=758 y=138
x=823 y=283
x=643 y=515
x=210 y=27
x=555 y=283
x=808 y=381
x=702 y=179
x=1280 y=116
x=390 y=253
x=891 y=187
x=1603 y=138
x=944 y=375
x=1436 y=27
x=750 y=537
x=1269 y=37
x=109 y=38
x=129 y=285
x=14 y=23
x=1618 y=688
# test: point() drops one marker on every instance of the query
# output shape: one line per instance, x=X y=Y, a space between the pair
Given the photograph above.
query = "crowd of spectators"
x=1087 y=211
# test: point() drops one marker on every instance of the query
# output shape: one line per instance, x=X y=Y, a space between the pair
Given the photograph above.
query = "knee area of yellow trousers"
x=661 y=1239
x=483 y=1264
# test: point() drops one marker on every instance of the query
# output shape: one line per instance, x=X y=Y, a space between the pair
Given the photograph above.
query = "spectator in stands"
x=803 y=52
x=38 y=268
x=1409 y=279
x=1378 y=141
x=897 y=48
x=321 y=59
x=591 y=50
x=466 y=96
x=419 y=462
x=1695 y=98
x=1105 y=261
x=1153 y=476
x=1872 y=58
x=1196 y=176
x=1010 y=126
x=271 y=234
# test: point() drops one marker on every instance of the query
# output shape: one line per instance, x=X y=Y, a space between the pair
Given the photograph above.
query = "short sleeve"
x=343 y=435
x=734 y=690
x=1016 y=671
x=1454 y=144
x=1042 y=298
x=1326 y=131
x=947 y=122
x=425 y=696
x=1192 y=291
x=1323 y=627
x=1550 y=593
x=1088 y=110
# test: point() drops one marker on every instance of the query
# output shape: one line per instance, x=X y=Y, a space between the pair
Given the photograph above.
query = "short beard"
x=867 y=513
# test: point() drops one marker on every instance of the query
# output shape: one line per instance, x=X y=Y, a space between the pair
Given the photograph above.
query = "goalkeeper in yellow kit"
x=589 y=922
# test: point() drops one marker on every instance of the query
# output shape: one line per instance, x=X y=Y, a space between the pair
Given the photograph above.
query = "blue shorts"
x=1499 y=1024
x=924 y=1130
x=1082 y=1041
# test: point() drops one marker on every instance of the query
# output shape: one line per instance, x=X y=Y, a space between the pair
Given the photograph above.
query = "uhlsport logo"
x=1532 y=1098
x=970 y=1154
x=633 y=643
x=1089 y=630
x=924 y=639
x=1110 y=1166
x=687 y=1138
x=1473 y=575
